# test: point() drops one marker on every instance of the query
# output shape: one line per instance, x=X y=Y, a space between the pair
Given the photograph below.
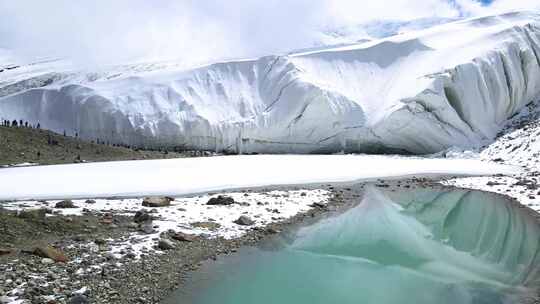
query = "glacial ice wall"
x=420 y=92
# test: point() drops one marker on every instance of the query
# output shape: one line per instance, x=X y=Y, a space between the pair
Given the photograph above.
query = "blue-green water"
x=418 y=246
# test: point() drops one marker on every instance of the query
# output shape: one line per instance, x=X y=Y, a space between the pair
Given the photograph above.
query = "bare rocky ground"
x=91 y=274
x=36 y=146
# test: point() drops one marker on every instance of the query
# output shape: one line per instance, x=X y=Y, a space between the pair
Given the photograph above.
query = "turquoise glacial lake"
x=423 y=246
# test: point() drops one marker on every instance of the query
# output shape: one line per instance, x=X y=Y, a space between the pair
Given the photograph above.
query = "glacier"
x=417 y=92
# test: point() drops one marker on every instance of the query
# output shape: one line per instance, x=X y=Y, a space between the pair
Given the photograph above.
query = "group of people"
x=19 y=123
x=25 y=124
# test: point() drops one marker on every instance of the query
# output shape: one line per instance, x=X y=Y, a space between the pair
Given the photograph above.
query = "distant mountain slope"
x=420 y=92
x=34 y=146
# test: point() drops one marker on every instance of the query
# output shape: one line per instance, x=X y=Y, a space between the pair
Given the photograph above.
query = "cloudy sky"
x=102 y=31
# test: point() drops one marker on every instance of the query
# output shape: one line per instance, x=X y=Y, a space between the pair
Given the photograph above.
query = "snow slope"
x=518 y=145
x=176 y=177
x=421 y=92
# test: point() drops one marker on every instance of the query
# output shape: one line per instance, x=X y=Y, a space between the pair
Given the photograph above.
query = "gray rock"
x=90 y=201
x=100 y=241
x=165 y=244
x=147 y=228
x=65 y=204
x=318 y=205
x=47 y=261
x=5 y=251
x=4 y=300
x=206 y=225
x=79 y=299
x=51 y=253
x=221 y=200
x=183 y=237
x=142 y=216
x=157 y=201
x=244 y=221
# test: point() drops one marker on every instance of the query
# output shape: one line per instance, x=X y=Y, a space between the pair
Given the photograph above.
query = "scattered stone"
x=100 y=241
x=272 y=230
x=79 y=299
x=206 y=225
x=90 y=202
x=47 y=261
x=183 y=237
x=106 y=221
x=318 y=205
x=132 y=225
x=221 y=200
x=142 y=216
x=4 y=300
x=156 y=201
x=244 y=221
x=33 y=214
x=5 y=251
x=147 y=228
x=51 y=253
x=65 y=204
x=165 y=244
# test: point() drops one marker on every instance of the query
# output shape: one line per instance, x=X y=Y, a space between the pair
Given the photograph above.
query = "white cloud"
x=101 y=31
x=506 y=5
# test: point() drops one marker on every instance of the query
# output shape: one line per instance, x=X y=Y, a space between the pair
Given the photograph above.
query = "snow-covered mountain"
x=421 y=92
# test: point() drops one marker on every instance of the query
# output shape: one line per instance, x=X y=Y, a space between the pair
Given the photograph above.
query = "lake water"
x=417 y=246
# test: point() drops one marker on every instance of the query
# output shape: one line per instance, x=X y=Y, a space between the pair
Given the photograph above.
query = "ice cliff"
x=419 y=92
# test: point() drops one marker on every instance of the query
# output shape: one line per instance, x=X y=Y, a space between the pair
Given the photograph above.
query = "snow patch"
x=177 y=177
x=262 y=207
x=518 y=145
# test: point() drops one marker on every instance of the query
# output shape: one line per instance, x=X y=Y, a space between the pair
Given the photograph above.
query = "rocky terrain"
x=38 y=146
x=54 y=254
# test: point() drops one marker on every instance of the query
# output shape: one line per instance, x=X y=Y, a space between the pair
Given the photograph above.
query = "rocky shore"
x=52 y=254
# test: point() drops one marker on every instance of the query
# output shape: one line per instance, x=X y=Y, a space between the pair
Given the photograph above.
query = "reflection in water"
x=420 y=246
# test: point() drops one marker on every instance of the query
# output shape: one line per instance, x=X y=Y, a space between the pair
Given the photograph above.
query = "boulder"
x=51 y=253
x=147 y=228
x=5 y=251
x=47 y=261
x=183 y=237
x=165 y=244
x=79 y=299
x=244 y=221
x=221 y=200
x=65 y=204
x=90 y=202
x=142 y=216
x=157 y=201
